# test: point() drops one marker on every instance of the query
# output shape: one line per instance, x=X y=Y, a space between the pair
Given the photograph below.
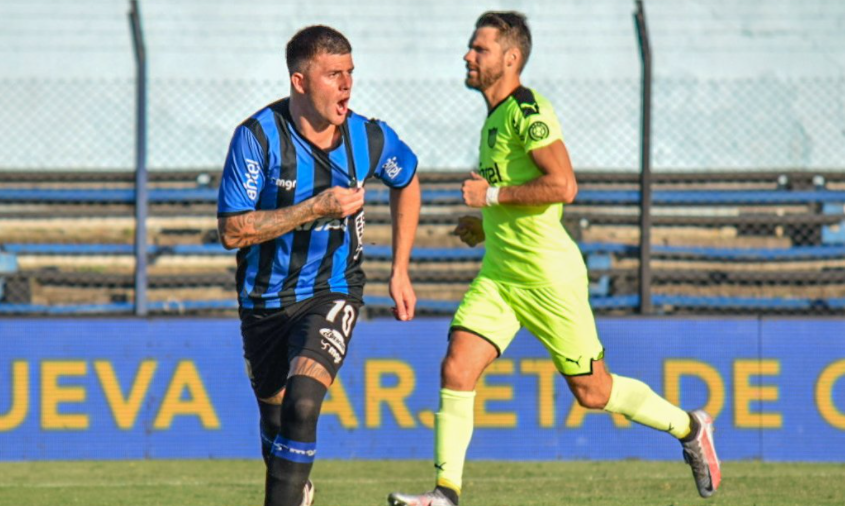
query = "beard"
x=483 y=80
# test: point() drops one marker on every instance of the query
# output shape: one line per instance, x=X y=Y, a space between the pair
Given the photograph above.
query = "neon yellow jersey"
x=525 y=245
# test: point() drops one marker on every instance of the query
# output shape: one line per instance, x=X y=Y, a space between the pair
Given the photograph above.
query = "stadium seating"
x=723 y=243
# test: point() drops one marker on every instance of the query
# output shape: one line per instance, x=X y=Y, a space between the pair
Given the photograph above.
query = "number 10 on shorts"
x=348 y=318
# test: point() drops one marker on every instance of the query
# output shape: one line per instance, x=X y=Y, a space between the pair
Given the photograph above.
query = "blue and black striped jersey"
x=270 y=165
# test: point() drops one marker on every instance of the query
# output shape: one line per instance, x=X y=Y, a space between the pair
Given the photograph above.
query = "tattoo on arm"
x=260 y=226
x=328 y=203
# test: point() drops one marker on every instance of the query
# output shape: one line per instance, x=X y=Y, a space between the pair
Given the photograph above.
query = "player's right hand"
x=338 y=202
x=470 y=230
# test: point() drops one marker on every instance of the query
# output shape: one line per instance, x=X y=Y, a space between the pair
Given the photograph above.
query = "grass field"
x=367 y=483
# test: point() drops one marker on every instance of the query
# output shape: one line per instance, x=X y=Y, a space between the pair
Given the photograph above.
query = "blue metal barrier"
x=834 y=234
x=597 y=301
x=385 y=253
x=444 y=197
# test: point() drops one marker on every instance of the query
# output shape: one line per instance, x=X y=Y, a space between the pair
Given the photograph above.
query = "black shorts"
x=319 y=328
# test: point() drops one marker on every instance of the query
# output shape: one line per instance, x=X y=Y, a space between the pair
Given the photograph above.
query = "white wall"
x=745 y=84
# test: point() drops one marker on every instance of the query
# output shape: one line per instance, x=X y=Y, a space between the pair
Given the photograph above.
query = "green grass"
x=367 y=483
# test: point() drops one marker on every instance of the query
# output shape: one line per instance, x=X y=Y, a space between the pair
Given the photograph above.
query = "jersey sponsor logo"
x=491 y=136
x=491 y=174
x=335 y=338
x=287 y=184
x=251 y=183
x=391 y=167
x=359 y=234
x=332 y=351
x=538 y=131
x=325 y=224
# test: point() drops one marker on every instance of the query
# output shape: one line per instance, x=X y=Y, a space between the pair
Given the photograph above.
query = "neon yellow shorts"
x=559 y=316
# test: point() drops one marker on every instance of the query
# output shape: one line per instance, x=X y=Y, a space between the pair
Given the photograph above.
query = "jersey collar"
x=321 y=155
x=514 y=92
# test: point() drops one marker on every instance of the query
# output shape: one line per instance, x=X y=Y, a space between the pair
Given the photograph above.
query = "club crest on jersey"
x=491 y=136
x=538 y=131
x=391 y=167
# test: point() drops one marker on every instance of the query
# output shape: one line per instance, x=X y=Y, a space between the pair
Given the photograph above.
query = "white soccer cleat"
x=308 y=494
x=433 y=498
x=700 y=454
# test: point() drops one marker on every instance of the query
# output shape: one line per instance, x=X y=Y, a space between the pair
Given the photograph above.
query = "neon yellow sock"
x=637 y=401
x=452 y=434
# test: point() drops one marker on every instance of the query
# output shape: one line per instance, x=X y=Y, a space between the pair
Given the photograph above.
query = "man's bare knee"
x=468 y=357
x=592 y=390
x=454 y=376
x=591 y=398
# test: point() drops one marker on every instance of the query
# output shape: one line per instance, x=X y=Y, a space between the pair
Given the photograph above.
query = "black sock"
x=448 y=492
x=294 y=450
x=269 y=427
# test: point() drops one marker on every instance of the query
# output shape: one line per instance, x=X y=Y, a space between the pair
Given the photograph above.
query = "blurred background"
x=743 y=267
x=746 y=144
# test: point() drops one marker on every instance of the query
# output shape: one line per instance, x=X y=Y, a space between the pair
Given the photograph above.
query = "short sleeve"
x=398 y=164
x=537 y=125
x=243 y=175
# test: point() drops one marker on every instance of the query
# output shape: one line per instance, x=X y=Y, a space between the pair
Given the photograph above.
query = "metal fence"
x=748 y=125
x=748 y=192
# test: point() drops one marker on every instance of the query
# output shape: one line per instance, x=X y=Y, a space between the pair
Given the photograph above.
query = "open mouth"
x=343 y=106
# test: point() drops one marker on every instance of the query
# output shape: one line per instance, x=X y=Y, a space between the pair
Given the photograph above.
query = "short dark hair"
x=513 y=29
x=311 y=41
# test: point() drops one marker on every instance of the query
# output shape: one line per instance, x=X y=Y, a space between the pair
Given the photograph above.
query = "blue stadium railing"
x=435 y=306
x=599 y=299
x=444 y=197
x=597 y=254
x=383 y=253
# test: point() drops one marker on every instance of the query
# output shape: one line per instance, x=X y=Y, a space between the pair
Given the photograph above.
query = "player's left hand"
x=402 y=293
x=475 y=190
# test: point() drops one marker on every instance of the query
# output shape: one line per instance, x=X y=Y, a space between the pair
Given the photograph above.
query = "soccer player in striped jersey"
x=533 y=274
x=291 y=200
